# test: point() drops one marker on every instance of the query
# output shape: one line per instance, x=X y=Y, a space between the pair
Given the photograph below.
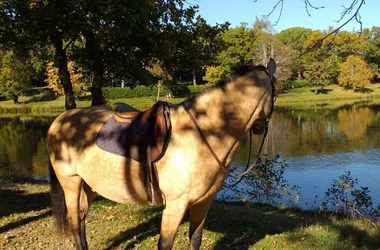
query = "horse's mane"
x=230 y=77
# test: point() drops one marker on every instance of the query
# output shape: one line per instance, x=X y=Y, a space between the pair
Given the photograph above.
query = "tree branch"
x=348 y=10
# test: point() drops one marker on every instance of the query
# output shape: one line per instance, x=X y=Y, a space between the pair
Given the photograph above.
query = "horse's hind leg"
x=198 y=214
x=171 y=218
x=87 y=196
x=72 y=186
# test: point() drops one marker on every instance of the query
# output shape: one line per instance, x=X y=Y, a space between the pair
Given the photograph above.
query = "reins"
x=247 y=168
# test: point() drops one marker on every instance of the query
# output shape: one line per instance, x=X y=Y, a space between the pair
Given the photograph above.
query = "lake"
x=318 y=144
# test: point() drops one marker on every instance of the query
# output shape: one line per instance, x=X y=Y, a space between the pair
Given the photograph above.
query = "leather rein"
x=266 y=121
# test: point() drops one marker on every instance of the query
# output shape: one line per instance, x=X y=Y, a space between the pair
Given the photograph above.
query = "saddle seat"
x=146 y=133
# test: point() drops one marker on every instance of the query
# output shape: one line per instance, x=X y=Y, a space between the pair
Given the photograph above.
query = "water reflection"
x=22 y=146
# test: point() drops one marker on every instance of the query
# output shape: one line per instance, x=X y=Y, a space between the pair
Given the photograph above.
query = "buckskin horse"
x=174 y=155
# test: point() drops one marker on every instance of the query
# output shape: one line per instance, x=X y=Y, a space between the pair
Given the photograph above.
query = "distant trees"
x=15 y=75
x=354 y=73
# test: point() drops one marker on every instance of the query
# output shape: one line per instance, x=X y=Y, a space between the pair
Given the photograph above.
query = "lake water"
x=318 y=144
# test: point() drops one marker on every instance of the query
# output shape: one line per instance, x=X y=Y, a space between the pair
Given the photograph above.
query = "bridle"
x=266 y=121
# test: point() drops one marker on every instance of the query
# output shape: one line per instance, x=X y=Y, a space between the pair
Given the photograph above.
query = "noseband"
x=266 y=121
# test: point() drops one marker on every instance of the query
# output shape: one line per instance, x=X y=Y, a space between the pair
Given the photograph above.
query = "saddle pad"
x=113 y=138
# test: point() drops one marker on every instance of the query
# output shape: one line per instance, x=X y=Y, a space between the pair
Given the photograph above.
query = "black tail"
x=58 y=202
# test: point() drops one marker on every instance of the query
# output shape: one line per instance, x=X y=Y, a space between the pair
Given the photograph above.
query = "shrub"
x=342 y=197
x=266 y=183
x=297 y=84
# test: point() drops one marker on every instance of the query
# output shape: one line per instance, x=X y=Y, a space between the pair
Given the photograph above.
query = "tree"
x=159 y=72
x=295 y=39
x=239 y=44
x=15 y=75
x=268 y=46
x=315 y=73
x=53 y=80
x=354 y=73
x=28 y=23
x=372 y=49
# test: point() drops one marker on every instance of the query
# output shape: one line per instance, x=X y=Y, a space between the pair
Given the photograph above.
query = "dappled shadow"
x=15 y=200
x=363 y=90
x=139 y=233
x=43 y=97
x=243 y=225
x=321 y=91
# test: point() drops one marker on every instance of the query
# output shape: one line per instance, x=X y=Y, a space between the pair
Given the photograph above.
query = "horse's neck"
x=223 y=116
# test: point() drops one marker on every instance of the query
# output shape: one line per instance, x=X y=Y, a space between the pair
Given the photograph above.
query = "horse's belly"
x=114 y=177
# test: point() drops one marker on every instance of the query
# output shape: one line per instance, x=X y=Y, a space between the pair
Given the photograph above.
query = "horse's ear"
x=271 y=67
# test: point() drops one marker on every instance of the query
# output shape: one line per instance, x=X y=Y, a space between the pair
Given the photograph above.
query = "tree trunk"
x=96 y=68
x=63 y=72
x=158 y=89
x=194 y=77
x=15 y=99
x=94 y=54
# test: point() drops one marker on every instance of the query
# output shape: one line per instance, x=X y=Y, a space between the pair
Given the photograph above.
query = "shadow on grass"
x=43 y=97
x=244 y=225
x=321 y=91
x=141 y=232
x=18 y=201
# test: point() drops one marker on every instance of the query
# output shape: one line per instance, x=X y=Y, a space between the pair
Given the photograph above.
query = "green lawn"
x=26 y=223
x=331 y=95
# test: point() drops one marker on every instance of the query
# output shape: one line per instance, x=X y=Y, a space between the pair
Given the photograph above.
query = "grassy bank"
x=26 y=223
x=331 y=96
x=58 y=105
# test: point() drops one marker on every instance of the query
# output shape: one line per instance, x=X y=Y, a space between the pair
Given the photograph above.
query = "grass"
x=331 y=96
x=58 y=105
x=26 y=223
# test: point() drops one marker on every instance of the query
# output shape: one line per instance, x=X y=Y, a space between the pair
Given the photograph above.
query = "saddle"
x=142 y=136
x=148 y=130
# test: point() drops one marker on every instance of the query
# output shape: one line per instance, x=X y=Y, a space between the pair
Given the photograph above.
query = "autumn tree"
x=54 y=82
x=157 y=69
x=354 y=73
x=15 y=73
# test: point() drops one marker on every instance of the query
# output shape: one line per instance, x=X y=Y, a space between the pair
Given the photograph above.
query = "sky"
x=294 y=13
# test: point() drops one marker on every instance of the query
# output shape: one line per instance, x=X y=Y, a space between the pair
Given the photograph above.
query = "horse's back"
x=75 y=130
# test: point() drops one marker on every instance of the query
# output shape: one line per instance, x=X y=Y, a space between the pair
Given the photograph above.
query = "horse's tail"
x=58 y=202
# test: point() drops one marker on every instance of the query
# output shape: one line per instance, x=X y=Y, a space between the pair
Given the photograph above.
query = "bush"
x=194 y=89
x=342 y=197
x=297 y=84
x=265 y=183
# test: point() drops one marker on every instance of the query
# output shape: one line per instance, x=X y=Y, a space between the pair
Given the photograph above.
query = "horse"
x=202 y=136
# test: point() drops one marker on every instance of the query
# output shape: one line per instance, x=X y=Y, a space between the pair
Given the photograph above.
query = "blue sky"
x=294 y=13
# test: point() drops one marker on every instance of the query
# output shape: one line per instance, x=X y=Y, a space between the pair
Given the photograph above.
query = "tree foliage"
x=15 y=74
x=54 y=82
x=354 y=73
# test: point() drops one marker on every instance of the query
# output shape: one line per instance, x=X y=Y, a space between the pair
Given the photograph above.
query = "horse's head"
x=267 y=75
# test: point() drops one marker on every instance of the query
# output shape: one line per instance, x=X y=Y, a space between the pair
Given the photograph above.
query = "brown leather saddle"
x=133 y=133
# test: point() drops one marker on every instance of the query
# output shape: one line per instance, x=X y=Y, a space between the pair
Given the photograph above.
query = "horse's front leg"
x=171 y=219
x=198 y=214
